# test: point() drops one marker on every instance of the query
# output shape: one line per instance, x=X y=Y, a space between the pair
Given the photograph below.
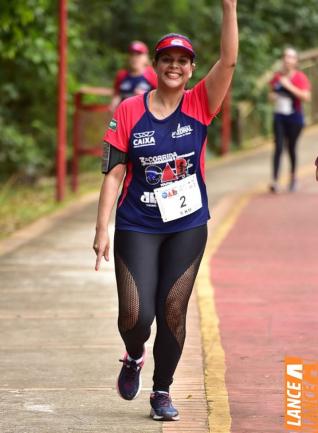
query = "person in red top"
x=289 y=88
x=138 y=78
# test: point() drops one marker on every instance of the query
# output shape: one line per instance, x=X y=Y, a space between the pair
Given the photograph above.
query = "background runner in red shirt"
x=289 y=88
x=139 y=77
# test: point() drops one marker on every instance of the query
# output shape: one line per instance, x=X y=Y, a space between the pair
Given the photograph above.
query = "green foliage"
x=98 y=34
x=28 y=65
x=266 y=27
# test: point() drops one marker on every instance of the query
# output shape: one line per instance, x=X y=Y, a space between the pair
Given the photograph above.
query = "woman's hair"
x=291 y=50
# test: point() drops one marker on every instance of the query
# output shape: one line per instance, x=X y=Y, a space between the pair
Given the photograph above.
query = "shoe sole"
x=156 y=417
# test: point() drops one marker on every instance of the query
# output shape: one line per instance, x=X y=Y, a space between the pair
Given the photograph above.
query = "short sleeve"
x=117 y=134
x=301 y=81
x=196 y=104
x=274 y=80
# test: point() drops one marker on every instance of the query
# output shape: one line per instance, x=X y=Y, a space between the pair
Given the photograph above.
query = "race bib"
x=283 y=105
x=179 y=199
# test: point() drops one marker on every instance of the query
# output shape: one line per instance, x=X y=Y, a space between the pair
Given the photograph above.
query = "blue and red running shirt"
x=298 y=79
x=160 y=152
x=127 y=85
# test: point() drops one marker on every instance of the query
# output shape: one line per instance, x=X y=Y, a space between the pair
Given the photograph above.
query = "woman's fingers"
x=106 y=253
x=101 y=248
x=98 y=258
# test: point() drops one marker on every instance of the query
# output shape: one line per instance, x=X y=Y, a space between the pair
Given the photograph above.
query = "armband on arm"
x=112 y=157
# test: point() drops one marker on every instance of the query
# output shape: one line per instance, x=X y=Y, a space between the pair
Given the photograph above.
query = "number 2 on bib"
x=179 y=199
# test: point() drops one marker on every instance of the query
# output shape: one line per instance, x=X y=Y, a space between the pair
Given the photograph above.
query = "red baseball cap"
x=138 y=47
x=174 y=40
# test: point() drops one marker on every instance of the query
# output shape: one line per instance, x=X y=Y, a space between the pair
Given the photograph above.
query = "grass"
x=22 y=204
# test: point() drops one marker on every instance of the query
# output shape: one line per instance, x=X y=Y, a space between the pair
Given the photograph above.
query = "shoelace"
x=131 y=367
x=163 y=399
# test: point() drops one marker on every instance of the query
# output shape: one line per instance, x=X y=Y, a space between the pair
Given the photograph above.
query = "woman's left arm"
x=219 y=78
x=304 y=95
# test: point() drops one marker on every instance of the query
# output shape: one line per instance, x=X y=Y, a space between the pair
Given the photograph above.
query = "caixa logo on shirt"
x=142 y=139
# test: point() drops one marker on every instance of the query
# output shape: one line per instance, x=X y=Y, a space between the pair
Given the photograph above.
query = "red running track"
x=265 y=276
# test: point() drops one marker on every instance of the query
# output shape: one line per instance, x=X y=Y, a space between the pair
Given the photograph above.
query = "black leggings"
x=155 y=275
x=285 y=131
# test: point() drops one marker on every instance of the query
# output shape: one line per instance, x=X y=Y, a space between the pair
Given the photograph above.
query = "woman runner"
x=156 y=142
x=289 y=88
x=138 y=78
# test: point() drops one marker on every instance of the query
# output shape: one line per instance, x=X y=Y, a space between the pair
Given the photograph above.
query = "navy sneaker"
x=129 y=380
x=162 y=408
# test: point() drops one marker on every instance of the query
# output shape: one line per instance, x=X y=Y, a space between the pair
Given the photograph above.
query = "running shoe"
x=129 y=380
x=293 y=185
x=273 y=187
x=162 y=408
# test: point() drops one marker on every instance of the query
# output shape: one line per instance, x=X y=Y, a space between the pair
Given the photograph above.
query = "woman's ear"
x=192 y=70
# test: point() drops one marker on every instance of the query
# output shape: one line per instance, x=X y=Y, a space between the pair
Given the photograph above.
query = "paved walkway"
x=265 y=280
x=59 y=349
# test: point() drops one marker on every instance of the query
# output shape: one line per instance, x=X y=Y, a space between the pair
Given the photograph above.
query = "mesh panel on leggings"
x=127 y=296
x=177 y=302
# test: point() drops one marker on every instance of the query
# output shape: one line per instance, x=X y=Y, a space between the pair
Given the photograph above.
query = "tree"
x=99 y=33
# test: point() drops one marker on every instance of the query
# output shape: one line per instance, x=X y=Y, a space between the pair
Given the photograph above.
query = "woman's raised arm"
x=219 y=78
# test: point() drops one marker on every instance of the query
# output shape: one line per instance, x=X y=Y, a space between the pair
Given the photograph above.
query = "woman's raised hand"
x=229 y=3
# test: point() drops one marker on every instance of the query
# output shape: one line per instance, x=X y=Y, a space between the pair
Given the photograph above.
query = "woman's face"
x=174 y=68
x=138 y=61
x=290 y=59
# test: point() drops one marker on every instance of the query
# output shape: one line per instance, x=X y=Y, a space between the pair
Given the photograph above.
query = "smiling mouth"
x=173 y=75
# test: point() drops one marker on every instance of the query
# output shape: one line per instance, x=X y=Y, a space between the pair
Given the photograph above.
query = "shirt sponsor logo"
x=170 y=193
x=125 y=86
x=166 y=168
x=142 y=139
x=113 y=124
x=149 y=199
x=182 y=131
x=153 y=174
x=158 y=159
